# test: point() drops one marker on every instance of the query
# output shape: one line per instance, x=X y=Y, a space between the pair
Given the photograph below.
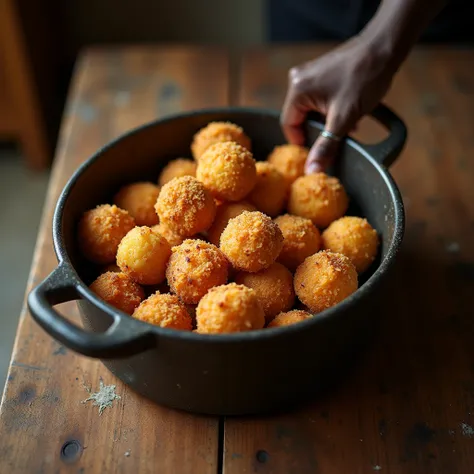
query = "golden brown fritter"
x=291 y=317
x=195 y=267
x=225 y=212
x=165 y=311
x=143 y=255
x=318 y=197
x=324 y=280
x=228 y=171
x=355 y=238
x=118 y=290
x=218 y=132
x=251 y=241
x=271 y=190
x=101 y=230
x=274 y=288
x=185 y=206
x=301 y=239
x=176 y=169
x=139 y=200
x=172 y=238
x=229 y=308
x=289 y=160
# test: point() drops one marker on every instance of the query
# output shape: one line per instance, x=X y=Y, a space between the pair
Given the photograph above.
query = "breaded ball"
x=229 y=308
x=172 y=238
x=139 y=200
x=185 y=206
x=274 y=288
x=225 y=212
x=101 y=230
x=355 y=238
x=194 y=267
x=251 y=241
x=143 y=255
x=291 y=317
x=302 y=239
x=228 y=170
x=176 y=169
x=165 y=311
x=218 y=132
x=118 y=290
x=289 y=160
x=271 y=191
x=325 y=279
x=318 y=197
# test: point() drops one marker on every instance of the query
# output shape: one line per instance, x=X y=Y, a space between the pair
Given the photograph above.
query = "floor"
x=22 y=195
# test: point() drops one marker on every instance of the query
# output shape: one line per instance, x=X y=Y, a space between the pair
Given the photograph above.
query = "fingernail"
x=313 y=167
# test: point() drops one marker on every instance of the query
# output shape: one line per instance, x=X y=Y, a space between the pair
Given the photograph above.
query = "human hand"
x=343 y=85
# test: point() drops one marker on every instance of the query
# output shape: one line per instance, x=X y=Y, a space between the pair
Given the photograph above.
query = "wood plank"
x=44 y=427
x=408 y=406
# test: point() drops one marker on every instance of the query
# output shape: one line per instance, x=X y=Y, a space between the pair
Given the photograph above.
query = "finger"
x=325 y=149
x=292 y=120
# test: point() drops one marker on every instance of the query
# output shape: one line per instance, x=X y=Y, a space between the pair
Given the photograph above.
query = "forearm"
x=398 y=24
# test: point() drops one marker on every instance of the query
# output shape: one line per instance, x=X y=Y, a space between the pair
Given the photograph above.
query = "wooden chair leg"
x=31 y=129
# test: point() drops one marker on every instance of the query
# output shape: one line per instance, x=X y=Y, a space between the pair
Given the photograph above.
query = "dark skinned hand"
x=343 y=85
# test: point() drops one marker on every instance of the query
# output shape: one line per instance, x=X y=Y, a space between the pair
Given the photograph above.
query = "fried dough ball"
x=185 y=206
x=289 y=160
x=302 y=239
x=251 y=241
x=229 y=308
x=139 y=200
x=225 y=212
x=143 y=255
x=291 y=317
x=118 y=290
x=101 y=230
x=176 y=169
x=355 y=238
x=194 y=267
x=324 y=280
x=218 y=132
x=228 y=170
x=172 y=238
x=274 y=288
x=270 y=193
x=318 y=197
x=165 y=311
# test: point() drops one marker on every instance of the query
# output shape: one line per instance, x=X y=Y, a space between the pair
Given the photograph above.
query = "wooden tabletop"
x=405 y=408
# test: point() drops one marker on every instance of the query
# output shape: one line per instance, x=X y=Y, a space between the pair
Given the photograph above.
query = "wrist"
x=396 y=27
x=380 y=45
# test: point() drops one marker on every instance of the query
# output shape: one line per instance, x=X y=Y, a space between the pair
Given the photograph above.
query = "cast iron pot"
x=243 y=373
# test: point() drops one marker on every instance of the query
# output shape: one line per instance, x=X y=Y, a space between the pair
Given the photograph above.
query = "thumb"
x=324 y=149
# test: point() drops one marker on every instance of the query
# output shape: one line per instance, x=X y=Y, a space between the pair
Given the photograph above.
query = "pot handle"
x=122 y=339
x=388 y=150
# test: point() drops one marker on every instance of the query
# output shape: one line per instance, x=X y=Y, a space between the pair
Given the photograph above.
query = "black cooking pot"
x=242 y=373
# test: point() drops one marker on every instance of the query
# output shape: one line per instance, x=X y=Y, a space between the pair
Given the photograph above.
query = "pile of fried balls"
x=223 y=243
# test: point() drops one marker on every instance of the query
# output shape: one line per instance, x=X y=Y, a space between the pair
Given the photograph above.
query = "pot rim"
x=261 y=334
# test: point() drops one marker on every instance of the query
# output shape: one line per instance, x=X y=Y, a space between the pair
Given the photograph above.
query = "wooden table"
x=406 y=408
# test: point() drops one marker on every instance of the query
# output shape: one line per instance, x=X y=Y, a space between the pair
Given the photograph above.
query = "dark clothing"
x=315 y=20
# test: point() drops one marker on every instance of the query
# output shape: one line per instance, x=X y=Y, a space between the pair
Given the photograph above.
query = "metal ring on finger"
x=331 y=136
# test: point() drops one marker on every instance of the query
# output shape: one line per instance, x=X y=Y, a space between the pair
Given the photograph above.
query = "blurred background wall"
x=237 y=22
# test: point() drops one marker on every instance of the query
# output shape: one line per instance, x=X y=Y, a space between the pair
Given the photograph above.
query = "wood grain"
x=408 y=406
x=44 y=427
